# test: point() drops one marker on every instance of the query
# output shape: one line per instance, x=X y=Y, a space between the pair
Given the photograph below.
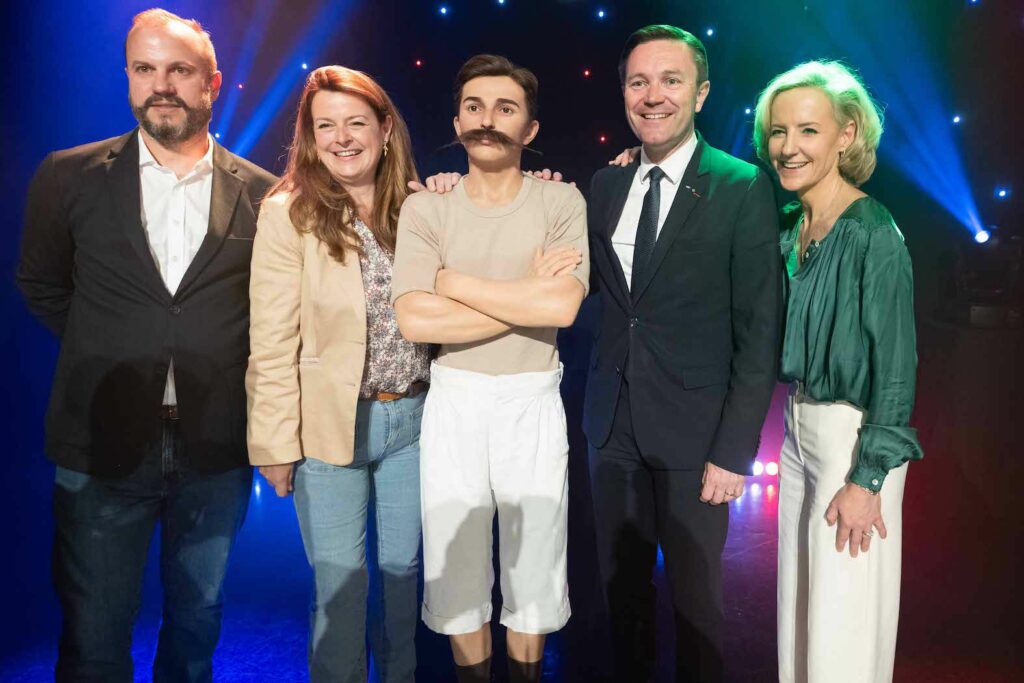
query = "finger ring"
x=869 y=533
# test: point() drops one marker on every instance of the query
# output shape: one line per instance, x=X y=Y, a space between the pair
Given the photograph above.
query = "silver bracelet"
x=873 y=493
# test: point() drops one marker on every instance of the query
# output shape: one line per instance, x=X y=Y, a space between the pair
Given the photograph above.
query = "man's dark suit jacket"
x=87 y=273
x=698 y=340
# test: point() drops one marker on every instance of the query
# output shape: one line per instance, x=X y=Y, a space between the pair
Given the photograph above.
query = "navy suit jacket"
x=698 y=341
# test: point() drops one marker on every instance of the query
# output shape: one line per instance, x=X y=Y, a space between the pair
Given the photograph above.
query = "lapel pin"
x=692 y=191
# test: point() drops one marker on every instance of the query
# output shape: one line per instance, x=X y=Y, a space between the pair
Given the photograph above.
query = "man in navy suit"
x=685 y=262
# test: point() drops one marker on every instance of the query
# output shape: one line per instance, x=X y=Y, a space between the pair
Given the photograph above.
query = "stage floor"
x=960 y=606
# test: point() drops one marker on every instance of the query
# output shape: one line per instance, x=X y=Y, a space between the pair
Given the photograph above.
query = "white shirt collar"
x=146 y=157
x=674 y=165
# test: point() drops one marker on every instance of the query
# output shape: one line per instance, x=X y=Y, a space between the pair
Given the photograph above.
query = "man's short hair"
x=495 y=65
x=654 y=32
x=161 y=17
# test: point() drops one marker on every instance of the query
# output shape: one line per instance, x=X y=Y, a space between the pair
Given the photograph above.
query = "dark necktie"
x=646 y=229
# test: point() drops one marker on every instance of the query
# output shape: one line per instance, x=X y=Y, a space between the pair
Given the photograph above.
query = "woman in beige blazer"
x=335 y=393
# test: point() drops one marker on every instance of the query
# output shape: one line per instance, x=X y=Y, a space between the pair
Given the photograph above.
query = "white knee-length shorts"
x=494 y=443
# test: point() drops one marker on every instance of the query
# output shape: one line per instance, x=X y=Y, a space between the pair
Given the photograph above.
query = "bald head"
x=188 y=30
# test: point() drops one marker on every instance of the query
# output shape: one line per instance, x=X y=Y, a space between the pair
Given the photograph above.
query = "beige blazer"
x=307 y=339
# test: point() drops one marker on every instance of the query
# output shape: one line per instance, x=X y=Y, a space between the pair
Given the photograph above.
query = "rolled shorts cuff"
x=536 y=620
x=467 y=622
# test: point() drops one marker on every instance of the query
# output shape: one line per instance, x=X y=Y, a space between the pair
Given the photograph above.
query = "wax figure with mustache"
x=490 y=272
x=136 y=255
x=687 y=278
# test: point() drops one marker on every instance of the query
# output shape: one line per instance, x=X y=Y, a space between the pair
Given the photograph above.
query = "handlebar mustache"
x=481 y=134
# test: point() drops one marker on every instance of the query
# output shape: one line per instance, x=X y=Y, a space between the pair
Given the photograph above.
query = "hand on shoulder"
x=439 y=183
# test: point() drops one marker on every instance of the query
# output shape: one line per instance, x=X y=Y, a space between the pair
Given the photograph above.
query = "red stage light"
x=419 y=62
x=603 y=139
x=586 y=73
x=772 y=469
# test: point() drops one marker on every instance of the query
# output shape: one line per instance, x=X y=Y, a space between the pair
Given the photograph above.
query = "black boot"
x=524 y=672
x=474 y=673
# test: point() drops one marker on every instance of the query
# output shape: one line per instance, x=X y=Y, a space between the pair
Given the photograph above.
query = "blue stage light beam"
x=251 y=43
x=741 y=126
x=918 y=140
x=322 y=27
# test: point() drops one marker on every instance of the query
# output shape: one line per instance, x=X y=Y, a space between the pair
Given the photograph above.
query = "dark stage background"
x=927 y=61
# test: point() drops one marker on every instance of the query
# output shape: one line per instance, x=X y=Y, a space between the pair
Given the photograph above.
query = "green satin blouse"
x=850 y=330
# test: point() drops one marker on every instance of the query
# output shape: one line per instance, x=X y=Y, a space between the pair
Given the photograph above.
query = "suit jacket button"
x=618 y=370
x=633 y=322
x=175 y=309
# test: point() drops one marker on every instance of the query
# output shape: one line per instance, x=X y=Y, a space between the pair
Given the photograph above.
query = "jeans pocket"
x=71 y=480
x=403 y=428
x=314 y=466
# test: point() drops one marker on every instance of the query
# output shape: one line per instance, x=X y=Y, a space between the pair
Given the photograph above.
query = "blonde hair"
x=161 y=17
x=320 y=204
x=850 y=102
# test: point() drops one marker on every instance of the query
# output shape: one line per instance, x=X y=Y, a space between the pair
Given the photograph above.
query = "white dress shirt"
x=176 y=217
x=674 y=166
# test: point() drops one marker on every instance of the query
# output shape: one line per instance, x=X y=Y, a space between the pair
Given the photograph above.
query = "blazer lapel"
x=616 y=204
x=692 y=187
x=225 y=190
x=125 y=190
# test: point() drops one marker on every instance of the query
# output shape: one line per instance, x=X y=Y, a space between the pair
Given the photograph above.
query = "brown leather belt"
x=169 y=412
x=415 y=389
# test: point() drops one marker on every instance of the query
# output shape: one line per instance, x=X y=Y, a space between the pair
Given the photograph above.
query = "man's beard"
x=196 y=119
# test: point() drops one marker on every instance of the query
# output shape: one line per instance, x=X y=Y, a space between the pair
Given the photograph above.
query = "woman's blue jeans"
x=332 y=504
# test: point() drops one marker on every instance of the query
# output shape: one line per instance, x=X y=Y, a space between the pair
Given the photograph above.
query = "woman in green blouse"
x=849 y=352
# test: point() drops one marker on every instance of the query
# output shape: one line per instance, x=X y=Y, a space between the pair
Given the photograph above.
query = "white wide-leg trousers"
x=837 y=614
